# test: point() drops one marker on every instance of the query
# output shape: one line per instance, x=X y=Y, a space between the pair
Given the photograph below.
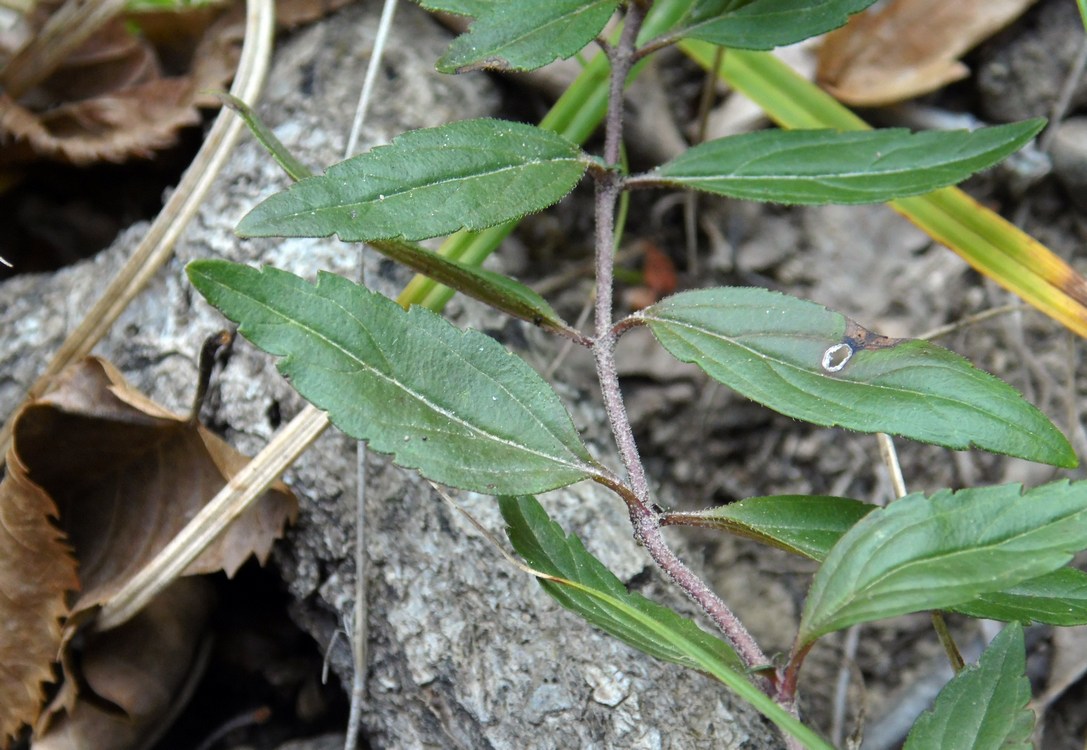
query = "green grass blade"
x=294 y=168
x=584 y=585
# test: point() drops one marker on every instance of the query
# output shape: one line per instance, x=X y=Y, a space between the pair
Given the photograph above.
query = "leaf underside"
x=471 y=174
x=984 y=706
x=546 y=548
x=807 y=525
x=496 y=290
x=527 y=35
x=453 y=404
x=829 y=166
x=811 y=363
x=765 y=24
x=924 y=553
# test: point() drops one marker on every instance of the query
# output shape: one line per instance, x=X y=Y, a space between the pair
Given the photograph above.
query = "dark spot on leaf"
x=489 y=63
x=860 y=338
x=857 y=338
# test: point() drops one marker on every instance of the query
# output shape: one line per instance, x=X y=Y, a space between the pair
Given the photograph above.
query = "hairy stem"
x=646 y=520
x=608 y=184
x=647 y=531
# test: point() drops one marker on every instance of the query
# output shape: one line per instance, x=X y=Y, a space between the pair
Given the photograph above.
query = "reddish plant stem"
x=788 y=680
x=608 y=184
x=647 y=530
x=646 y=521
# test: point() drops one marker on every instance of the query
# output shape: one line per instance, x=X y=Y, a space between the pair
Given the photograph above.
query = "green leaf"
x=807 y=362
x=473 y=174
x=807 y=525
x=576 y=115
x=811 y=525
x=470 y=8
x=826 y=166
x=934 y=553
x=984 y=707
x=498 y=291
x=1057 y=598
x=544 y=546
x=764 y=24
x=527 y=35
x=992 y=245
x=453 y=404
x=587 y=587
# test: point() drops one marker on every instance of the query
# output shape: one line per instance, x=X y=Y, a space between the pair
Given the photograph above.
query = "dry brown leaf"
x=293 y=13
x=908 y=47
x=134 y=122
x=658 y=271
x=113 y=99
x=658 y=279
x=126 y=94
x=138 y=674
x=112 y=59
x=36 y=569
x=126 y=475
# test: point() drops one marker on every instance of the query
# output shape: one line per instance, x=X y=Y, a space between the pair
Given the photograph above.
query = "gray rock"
x=465 y=650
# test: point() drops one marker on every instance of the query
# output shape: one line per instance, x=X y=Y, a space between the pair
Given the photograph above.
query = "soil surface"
x=703 y=444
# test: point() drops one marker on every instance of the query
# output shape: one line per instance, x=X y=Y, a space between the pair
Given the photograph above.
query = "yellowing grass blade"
x=989 y=243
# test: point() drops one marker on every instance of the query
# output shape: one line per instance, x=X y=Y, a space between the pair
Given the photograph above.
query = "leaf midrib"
x=857 y=383
x=826 y=176
x=400 y=192
x=316 y=333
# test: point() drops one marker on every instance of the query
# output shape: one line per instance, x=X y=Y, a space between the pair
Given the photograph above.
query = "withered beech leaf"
x=908 y=47
x=138 y=673
x=36 y=569
x=115 y=98
x=291 y=14
x=127 y=475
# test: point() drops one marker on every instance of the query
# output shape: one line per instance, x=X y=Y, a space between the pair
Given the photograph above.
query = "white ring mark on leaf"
x=836 y=357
